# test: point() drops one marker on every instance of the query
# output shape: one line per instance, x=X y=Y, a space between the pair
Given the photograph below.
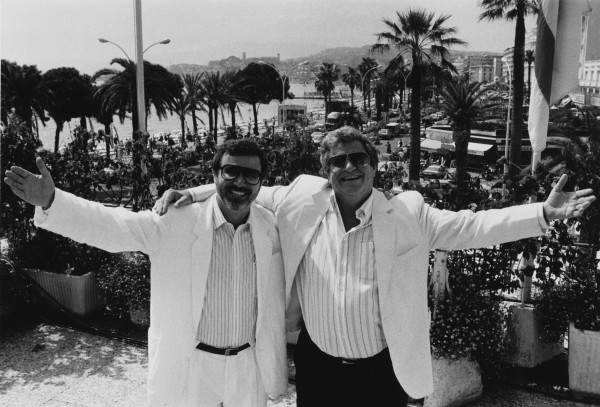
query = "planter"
x=584 y=362
x=77 y=294
x=525 y=344
x=455 y=382
x=139 y=316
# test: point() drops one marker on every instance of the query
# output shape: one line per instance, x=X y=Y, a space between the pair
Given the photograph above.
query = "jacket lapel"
x=384 y=238
x=302 y=226
x=201 y=256
x=262 y=255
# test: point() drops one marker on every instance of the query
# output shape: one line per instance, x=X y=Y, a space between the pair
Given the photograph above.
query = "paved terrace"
x=44 y=364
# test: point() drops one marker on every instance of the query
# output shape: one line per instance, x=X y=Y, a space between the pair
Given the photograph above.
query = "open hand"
x=37 y=190
x=181 y=198
x=564 y=205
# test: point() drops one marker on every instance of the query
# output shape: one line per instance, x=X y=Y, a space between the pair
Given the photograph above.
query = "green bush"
x=125 y=283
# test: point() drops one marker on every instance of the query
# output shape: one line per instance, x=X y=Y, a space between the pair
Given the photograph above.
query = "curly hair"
x=344 y=135
x=241 y=147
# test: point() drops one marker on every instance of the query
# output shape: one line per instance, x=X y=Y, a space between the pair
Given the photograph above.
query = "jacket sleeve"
x=110 y=229
x=448 y=230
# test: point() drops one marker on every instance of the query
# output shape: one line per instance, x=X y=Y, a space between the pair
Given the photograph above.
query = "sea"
x=172 y=123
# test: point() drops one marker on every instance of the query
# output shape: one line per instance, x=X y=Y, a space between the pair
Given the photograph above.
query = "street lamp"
x=506 y=161
x=281 y=77
x=104 y=41
x=139 y=73
x=362 y=83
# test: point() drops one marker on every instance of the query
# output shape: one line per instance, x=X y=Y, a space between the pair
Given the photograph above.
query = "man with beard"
x=217 y=326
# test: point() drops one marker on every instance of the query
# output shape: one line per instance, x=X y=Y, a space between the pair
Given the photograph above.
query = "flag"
x=557 y=51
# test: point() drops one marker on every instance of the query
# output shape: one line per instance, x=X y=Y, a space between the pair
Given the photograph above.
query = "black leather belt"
x=221 y=351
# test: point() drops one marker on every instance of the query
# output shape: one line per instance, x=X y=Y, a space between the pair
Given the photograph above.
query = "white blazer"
x=180 y=245
x=405 y=230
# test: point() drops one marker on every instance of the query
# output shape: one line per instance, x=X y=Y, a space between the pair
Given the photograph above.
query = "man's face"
x=352 y=181
x=238 y=193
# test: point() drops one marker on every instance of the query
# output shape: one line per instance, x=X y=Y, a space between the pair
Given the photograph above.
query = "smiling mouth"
x=238 y=192
x=351 y=178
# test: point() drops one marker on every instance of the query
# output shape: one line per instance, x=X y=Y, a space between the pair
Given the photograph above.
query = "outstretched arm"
x=563 y=205
x=37 y=190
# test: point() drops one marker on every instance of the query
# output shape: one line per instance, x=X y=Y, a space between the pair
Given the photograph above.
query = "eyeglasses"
x=358 y=160
x=230 y=172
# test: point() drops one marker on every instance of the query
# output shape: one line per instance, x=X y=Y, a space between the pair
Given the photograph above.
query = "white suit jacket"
x=405 y=230
x=180 y=245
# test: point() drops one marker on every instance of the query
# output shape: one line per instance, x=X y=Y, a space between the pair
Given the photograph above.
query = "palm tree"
x=182 y=106
x=232 y=97
x=24 y=90
x=214 y=90
x=530 y=59
x=426 y=39
x=326 y=77
x=192 y=86
x=513 y=10
x=118 y=90
x=462 y=101
x=352 y=79
x=367 y=71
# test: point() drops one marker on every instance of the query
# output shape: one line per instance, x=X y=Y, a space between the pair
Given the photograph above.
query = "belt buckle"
x=228 y=351
x=347 y=362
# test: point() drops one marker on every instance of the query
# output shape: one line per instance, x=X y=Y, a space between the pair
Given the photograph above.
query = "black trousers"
x=324 y=380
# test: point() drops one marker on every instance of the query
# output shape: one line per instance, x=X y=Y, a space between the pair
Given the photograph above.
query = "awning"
x=431 y=145
x=436 y=146
x=479 y=149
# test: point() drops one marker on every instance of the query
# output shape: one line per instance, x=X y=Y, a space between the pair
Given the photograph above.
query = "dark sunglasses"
x=358 y=160
x=231 y=172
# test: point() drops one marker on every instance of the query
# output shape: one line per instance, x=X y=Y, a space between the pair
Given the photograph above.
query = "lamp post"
x=506 y=161
x=139 y=84
x=281 y=77
x=362 y=83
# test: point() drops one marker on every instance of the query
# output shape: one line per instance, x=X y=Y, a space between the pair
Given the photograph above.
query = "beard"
x=234 y=201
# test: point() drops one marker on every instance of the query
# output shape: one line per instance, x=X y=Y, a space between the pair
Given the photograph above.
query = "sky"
x=64 y=33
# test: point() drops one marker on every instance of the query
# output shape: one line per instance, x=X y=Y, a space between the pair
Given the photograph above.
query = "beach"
x=172 y=122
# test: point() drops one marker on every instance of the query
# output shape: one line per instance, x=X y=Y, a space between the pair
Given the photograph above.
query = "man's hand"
x=564 y=205
x=37 y=190
x=181 y=198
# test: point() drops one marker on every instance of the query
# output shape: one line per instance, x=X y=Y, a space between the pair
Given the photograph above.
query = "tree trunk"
x=528 y=81
x=216 y=121
x=255 y=111
x=82 y=123
x=415 y=124
x=210 y=119
x=352 y=96
x=461 y=139
x=232 y=108
x=59 y=127
x=194 y=122
x=107 y=139
x=518 y=82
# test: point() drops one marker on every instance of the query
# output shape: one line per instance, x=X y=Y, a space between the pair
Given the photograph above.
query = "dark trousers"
x=324 y=380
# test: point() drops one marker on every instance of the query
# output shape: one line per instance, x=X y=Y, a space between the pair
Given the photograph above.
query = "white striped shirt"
x=229 y=314
x=337 y=286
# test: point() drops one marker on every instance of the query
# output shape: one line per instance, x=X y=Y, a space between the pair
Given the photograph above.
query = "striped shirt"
x=337 y=286
x=229 y=314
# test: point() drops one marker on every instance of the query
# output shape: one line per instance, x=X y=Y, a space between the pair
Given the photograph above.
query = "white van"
x=392 y=130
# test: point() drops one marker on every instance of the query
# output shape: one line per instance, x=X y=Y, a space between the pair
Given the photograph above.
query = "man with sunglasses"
x=217 y=324
x=356 y=271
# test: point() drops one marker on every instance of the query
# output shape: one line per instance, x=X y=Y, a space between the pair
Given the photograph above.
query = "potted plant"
x=570 y=302
x=467 y=325
x=125 y=284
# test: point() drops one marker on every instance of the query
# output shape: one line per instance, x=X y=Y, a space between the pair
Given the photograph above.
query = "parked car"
x=434 y=171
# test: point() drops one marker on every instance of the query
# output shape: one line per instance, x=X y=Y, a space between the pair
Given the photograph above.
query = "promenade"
x=43 y=364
